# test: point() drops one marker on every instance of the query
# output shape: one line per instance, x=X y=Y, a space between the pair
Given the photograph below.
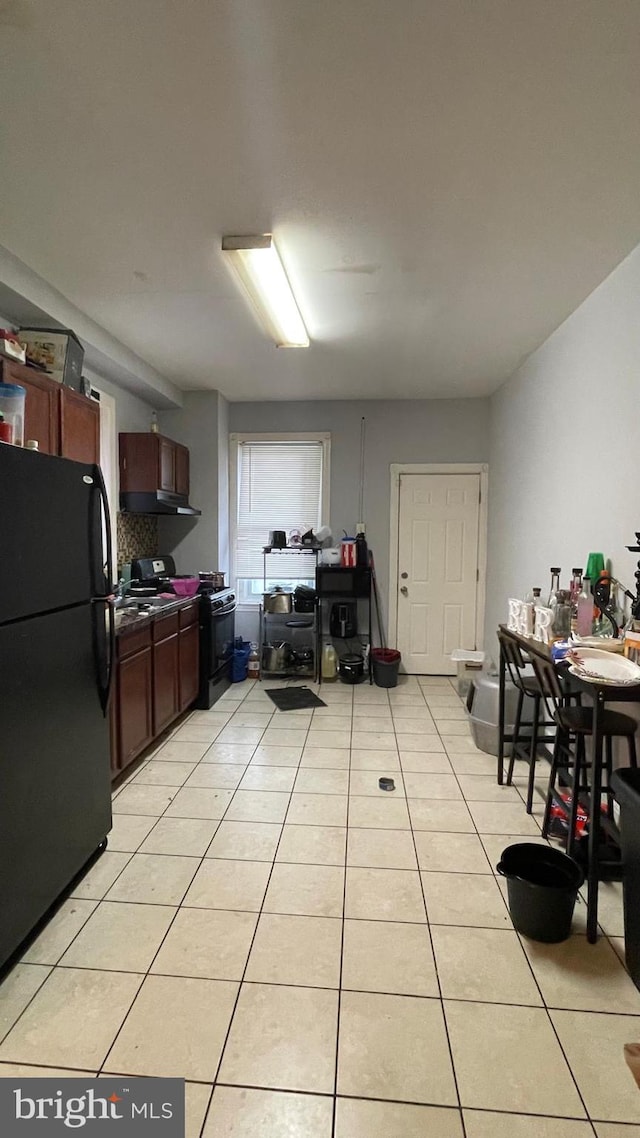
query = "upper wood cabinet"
x=62 y=421
x=79 y=426
x=150 y=462
x=182 y=470
x=42 y=405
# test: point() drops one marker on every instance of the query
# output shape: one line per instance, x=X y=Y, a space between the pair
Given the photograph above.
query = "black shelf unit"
x=268 y=620
x=335 y=583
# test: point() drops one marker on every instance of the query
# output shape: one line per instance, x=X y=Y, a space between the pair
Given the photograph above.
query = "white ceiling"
x=446 y=179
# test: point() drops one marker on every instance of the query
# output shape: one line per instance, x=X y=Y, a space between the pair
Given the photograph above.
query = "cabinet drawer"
x=189 y=615
x=127 y=643
x=164 y=626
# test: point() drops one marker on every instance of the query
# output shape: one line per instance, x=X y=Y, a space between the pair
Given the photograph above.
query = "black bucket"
x=386 y=663
x=543 y=885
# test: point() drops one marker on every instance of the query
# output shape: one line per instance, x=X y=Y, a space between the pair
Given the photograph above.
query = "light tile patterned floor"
x=321 y=958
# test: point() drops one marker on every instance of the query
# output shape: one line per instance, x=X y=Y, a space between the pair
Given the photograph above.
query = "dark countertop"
x=128 y=619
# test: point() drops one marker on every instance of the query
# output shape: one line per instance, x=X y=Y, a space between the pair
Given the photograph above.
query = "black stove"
x=157 y=573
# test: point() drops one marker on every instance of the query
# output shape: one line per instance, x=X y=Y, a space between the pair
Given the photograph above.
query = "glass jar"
x=562 y=610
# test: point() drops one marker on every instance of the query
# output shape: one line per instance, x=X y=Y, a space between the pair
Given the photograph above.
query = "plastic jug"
x=329 y=662
x=12 y=400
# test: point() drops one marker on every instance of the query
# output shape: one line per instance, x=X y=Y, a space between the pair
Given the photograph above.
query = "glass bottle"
x=555 y=585
x=584 y=617
x=575 y=589
x=562 y=614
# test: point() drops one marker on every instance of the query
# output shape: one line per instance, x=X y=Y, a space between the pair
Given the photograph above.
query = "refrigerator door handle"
x=99 y=571
x=104 y=635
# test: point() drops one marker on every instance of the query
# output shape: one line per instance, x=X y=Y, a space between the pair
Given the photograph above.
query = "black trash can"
x=386 y=664
x=626 y=787
x=543 y=885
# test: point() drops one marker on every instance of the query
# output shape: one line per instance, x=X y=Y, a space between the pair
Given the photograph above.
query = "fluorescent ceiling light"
x=261 y=272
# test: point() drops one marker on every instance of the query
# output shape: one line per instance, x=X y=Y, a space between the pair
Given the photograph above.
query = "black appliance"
x=56 y=665
x=351 y=668
x=156 y=573
x=343 y=619
x=336 y=581
x=278 y=539
x=217 y=635
x=304 y=599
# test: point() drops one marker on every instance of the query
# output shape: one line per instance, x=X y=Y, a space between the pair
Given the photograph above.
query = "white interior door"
x=437 y=569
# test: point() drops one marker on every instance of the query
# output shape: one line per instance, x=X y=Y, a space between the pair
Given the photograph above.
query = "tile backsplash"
x=137 y=536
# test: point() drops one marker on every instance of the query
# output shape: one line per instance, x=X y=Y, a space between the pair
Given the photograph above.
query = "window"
x=277 y=482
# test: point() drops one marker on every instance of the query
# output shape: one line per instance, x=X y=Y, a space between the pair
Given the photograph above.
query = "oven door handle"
x=225 y=611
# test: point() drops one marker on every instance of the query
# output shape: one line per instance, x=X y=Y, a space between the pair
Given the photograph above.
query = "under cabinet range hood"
x=156 y=502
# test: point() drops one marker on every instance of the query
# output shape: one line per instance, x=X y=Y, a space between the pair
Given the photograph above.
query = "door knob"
x=404 y=590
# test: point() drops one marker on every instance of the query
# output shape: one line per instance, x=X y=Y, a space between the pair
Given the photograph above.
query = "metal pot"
x=277 y=601
x=276 y=657
x=213 y=580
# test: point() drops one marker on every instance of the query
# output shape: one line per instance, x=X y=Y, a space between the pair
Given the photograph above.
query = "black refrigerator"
x=56 y=664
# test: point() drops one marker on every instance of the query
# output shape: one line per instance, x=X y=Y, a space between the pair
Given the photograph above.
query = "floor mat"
x=294 y=699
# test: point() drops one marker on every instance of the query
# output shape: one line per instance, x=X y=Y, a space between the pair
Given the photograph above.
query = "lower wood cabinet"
x=189 y=664
x=166 y=699
x=133 y=707
x=156 y=679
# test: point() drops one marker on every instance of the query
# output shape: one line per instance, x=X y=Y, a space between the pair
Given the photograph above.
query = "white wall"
x=132 y=413
x=564 y=464
x=196 y=542
x=412 y=430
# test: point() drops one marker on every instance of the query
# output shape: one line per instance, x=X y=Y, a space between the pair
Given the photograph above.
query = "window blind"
x=279 y=487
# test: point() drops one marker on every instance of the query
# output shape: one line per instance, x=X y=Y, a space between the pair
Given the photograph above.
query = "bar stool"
x=573 y=726
x=523 y=746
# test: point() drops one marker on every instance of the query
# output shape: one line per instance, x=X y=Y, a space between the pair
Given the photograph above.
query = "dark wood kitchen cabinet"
x=166 y=464
x=189 y=655
x=182 y=470
x=62 y=421
x=42 y=405
x=133 y=696
x=157 y=678
x=79 y=426
x=151 y=462
x=166 y=681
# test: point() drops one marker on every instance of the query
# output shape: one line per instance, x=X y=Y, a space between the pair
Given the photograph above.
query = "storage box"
x=58 y=351
x=482 y=705
x=467 y=665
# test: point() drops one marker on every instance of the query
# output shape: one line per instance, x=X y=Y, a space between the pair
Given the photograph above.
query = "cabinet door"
x=165 y=683
x=182 y=470
x=41 y=415
x=189 y=665
x=167 y=465
x=133 y=689
x=79 y=426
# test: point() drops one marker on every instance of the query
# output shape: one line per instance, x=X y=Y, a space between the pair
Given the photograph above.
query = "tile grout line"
x=334 y=1112
x=246 y=964
x=148 y=971
x=533 y=975
x=434 y=958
